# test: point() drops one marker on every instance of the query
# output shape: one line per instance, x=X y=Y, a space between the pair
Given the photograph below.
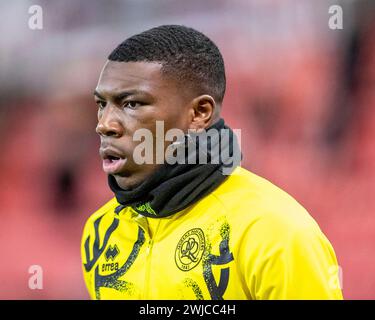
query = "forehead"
x=119 y=76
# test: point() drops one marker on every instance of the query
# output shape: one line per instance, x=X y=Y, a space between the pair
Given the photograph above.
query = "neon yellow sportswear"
x=246 y=240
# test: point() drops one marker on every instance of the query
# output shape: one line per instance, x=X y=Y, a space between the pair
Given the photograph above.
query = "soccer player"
x=194 y=229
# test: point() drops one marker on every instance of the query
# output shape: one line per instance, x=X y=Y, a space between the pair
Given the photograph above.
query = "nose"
x=109 y=124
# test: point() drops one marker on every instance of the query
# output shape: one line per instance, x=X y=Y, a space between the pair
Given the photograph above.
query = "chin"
x=128 y=182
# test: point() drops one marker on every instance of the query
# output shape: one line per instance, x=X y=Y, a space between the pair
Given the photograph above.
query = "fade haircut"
x=184 y=53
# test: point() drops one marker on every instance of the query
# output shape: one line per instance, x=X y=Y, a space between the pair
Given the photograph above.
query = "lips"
x=113 y=160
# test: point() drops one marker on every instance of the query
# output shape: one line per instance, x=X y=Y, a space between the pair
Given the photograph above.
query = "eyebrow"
x=120 y=95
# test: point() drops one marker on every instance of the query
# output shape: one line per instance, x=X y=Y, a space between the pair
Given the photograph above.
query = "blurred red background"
x=302 y=94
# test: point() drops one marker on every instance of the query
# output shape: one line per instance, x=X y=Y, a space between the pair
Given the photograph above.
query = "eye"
x=101 y=104
x=131 y=104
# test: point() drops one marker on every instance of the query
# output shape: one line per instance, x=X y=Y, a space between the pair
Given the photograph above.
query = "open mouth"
x=113 y=164
x=112 y=158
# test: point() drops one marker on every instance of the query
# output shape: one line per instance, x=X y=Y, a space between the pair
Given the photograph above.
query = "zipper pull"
x=149 y=246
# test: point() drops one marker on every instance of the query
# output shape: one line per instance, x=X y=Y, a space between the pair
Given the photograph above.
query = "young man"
x=190 y=230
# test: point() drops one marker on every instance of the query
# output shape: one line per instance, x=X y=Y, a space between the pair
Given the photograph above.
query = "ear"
x=203 y=111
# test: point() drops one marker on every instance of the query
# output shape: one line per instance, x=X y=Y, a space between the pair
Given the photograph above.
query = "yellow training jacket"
x=246 y=240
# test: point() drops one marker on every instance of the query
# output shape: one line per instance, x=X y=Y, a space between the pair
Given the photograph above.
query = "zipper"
x=148 y=261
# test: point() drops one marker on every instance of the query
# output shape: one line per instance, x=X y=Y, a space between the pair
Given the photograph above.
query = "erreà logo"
x=145 y=207
x=112 y=252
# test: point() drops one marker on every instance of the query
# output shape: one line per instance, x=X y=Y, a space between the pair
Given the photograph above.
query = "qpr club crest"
x=189 y=250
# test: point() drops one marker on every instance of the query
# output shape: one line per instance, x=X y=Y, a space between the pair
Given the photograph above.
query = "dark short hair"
x=184 y=53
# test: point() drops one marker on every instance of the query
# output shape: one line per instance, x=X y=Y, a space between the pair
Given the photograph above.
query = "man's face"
x=131 y=96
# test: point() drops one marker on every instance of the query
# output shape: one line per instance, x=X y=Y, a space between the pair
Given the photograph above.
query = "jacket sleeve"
x=286 y=260
x=85 y=254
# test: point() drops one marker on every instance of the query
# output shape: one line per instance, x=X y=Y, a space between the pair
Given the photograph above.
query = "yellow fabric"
x=246 y=240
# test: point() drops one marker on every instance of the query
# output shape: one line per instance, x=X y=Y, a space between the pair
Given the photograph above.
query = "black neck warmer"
x=173 y=187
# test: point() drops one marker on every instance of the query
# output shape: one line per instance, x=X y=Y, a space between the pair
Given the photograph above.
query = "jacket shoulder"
x=252 y=198
x=108 y=207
